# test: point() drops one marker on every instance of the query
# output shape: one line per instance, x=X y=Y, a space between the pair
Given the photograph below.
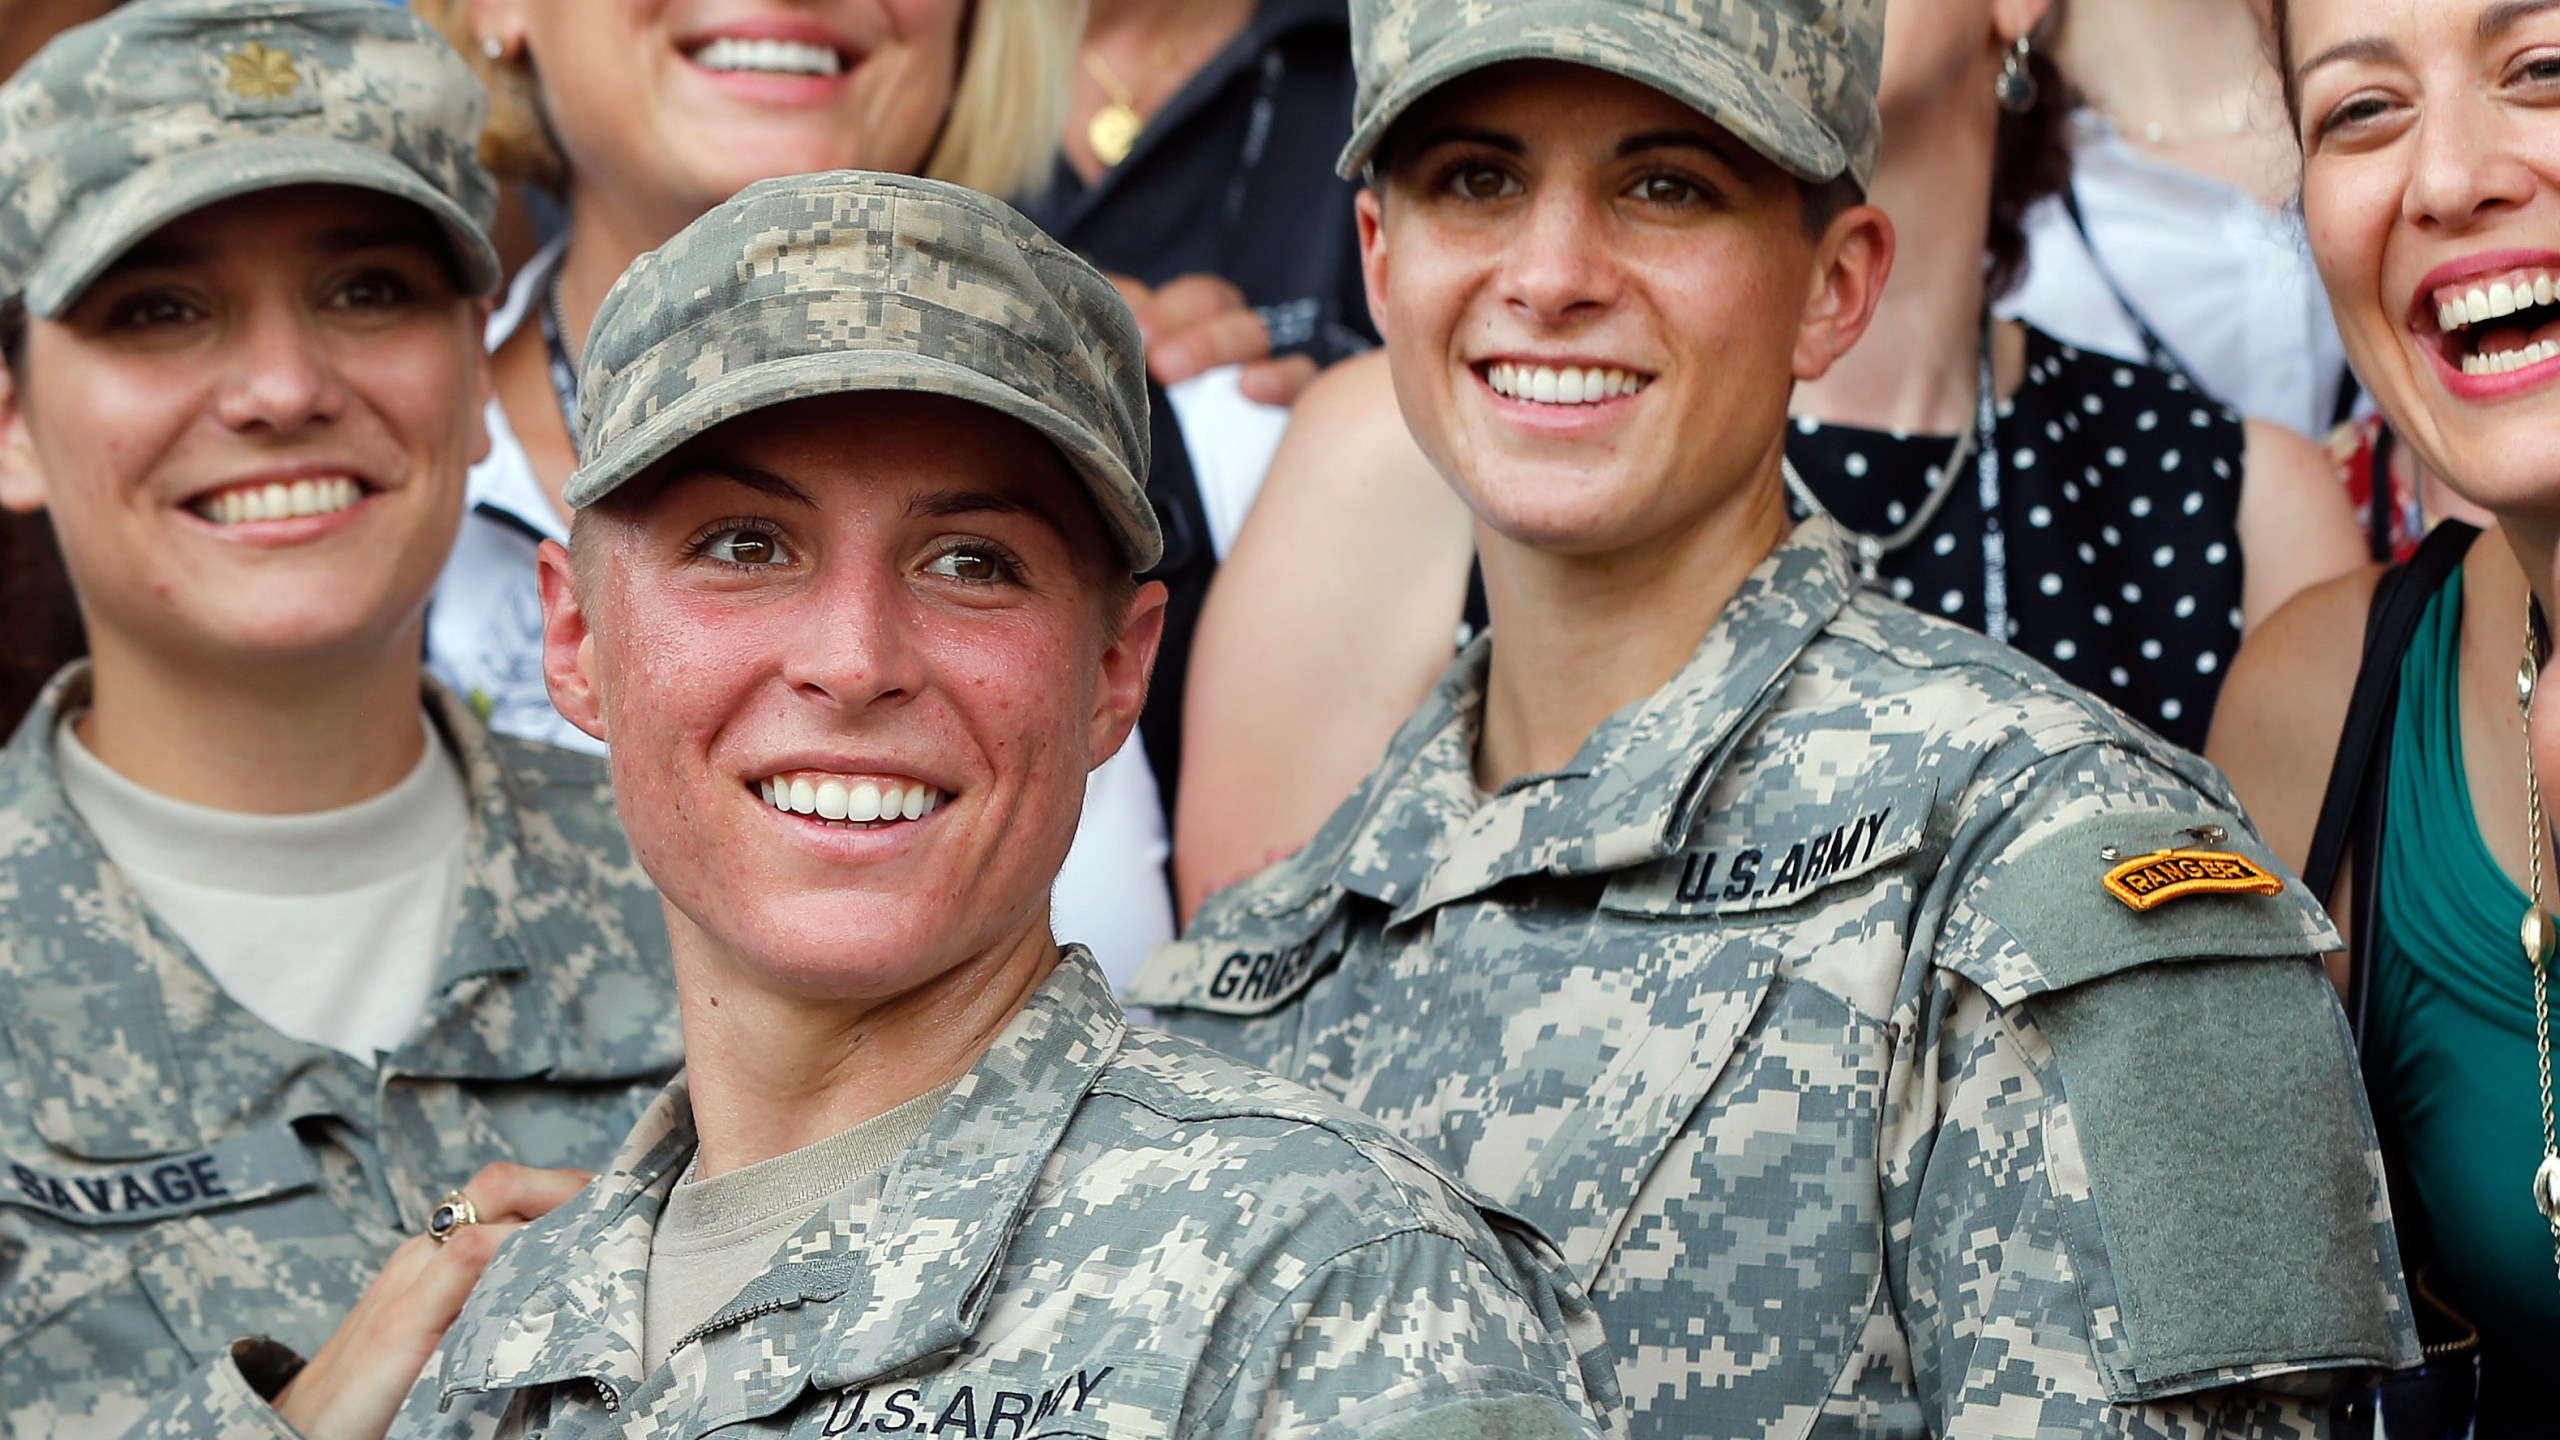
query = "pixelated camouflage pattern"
x=823 y=284
x=1794 y=79
x=1106 y=1233
x=269 y=1179
x=1735 y=1007
x=122 y=125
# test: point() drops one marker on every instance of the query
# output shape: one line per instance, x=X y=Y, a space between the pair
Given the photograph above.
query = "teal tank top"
x=2450 y=1053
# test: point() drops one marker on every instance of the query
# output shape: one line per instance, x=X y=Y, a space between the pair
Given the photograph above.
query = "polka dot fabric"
x=2119 y=504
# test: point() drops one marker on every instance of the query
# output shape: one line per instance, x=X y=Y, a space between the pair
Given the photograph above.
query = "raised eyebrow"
x=946 y=504
x=1457 y=135
x=2369 y=49
x=2499 y=19
x=351 y=239
x=1687 y=140
x=763 y=482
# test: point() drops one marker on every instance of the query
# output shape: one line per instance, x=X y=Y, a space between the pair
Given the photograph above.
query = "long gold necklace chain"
x=2540 y=938
x=1115 y=128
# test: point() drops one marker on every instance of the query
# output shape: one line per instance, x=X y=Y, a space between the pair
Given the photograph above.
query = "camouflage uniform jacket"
x=1794 y=1009
x=1106 y=1233
x=179 y=1175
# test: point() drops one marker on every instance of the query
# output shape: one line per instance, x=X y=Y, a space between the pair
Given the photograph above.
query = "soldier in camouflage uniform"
x=176 y=1174
x=1895 y=1040
x=1087 y=1229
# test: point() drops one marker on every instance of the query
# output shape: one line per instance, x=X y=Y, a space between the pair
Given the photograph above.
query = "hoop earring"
x=2016 y=88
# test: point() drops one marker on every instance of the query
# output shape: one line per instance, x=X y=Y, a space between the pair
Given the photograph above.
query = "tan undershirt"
x=716 y=1235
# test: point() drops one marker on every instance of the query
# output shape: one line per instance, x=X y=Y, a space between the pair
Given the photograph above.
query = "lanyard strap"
x=564 y=372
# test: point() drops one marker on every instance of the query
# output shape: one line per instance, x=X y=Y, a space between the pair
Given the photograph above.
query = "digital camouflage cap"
x=827 y=284
x=1794 y=79
x=163 y=107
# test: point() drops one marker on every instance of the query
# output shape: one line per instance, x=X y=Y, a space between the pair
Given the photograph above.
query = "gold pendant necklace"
x=1115 y=128
x=2540 y=937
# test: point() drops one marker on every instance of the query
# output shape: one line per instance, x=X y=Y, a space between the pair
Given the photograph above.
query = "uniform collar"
x=112 y=1017
x=1416 y=838
x=870 y=1290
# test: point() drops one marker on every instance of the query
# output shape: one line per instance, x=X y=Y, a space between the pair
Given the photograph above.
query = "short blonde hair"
x=1000 y=135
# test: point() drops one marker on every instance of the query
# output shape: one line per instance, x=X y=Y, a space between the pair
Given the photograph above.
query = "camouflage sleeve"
x=2131 y=1183
x=1412 y=1336
x=220 y=1402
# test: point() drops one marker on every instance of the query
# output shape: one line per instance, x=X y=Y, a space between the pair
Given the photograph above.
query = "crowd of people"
x=1314 y=718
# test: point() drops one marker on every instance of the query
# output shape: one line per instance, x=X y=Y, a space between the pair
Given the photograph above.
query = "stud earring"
x=2016 y=87
x=493 y=47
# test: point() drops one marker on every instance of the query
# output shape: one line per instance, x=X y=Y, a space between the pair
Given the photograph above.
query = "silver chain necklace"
x=1872 y=549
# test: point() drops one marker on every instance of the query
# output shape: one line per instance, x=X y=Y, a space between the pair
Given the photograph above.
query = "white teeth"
x=2502 y=299
x=279 y=501
x=2451 y=316
x=2543 y=290
x=835 y=797
x=2505 y=360
x=2478 y=304
x=1572 y=385
x=831 y=798
x=778 y=57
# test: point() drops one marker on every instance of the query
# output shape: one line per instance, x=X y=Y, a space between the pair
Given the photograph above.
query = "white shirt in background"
x=328 y=926
x=2224 y=282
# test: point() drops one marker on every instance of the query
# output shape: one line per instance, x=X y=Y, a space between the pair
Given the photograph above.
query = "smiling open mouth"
x=2491 y=327
x=850 y=800
x=278 y=500
x=731 y=56
x=1561 y=385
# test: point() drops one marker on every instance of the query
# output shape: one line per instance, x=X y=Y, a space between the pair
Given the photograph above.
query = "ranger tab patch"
x=2166 y=875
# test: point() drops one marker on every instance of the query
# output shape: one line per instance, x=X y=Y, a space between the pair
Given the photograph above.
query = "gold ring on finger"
x=452 y=1212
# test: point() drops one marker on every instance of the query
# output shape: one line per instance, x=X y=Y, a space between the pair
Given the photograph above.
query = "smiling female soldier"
x=291 y=945
x=852 y=600
x=1897 y=1041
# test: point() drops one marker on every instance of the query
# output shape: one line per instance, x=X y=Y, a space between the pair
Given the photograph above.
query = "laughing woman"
x=2431 y=188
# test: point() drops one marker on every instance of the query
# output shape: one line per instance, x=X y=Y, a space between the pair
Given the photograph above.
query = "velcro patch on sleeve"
x=2231 y=1204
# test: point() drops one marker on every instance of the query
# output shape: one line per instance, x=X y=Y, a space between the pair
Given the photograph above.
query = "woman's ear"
x=568 y=643
x=1851 y=262
x=22 y=485
x=1127 y=663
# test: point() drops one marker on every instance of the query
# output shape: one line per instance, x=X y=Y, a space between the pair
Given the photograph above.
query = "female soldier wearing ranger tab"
x=291 y=945
x=852 y=597
x=1749 y=932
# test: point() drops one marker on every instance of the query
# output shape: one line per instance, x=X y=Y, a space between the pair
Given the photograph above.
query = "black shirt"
x=1234 y=178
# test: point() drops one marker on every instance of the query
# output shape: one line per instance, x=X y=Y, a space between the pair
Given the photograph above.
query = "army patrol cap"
x=1793 y=79
x=849 y=281
x=163 y=107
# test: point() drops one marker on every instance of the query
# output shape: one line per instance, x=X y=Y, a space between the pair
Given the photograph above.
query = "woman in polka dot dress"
x=2119 y=525
x=1349 y=580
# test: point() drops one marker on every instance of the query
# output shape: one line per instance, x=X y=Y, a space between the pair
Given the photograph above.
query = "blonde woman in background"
x=640 y=118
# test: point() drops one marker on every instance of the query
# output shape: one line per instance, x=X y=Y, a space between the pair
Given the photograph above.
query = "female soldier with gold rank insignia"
x=1751 y=933
x=291 y=945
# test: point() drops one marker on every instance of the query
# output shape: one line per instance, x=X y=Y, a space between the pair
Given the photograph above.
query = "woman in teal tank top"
x=2449 y=1048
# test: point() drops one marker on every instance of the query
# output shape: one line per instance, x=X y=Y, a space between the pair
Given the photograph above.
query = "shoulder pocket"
x=2069 y=927
x=1741 y=863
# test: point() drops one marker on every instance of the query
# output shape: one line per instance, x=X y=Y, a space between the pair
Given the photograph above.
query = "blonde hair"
x=1000 y=134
